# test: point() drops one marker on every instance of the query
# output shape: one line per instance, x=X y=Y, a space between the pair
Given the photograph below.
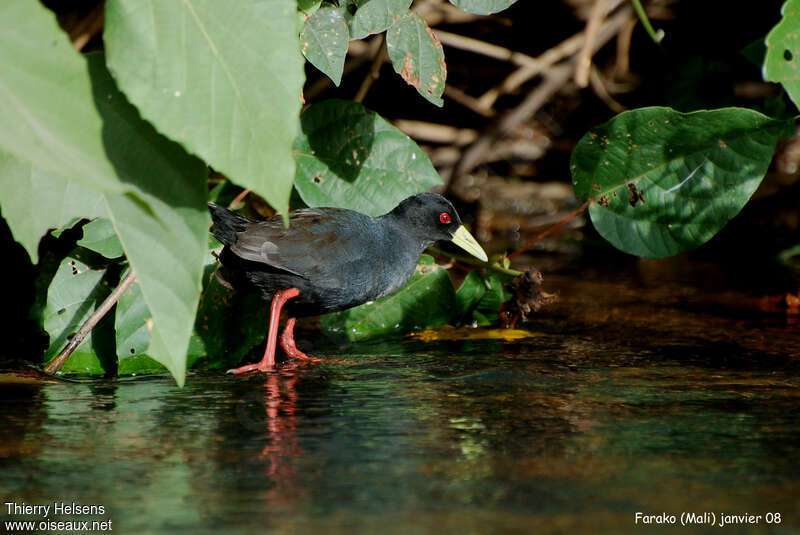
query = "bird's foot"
x=258 y=367
x=289 y=347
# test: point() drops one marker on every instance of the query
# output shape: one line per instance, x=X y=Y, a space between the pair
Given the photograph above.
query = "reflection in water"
x=627 y=399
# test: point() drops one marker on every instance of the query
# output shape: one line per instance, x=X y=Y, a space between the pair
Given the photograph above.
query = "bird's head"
x=431 y=217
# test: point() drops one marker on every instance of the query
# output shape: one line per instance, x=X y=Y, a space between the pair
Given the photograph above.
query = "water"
x=634 y=395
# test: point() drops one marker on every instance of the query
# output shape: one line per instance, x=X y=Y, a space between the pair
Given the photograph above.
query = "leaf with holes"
x=324 y=41
x=417 y=56
x=78 y=287
x=221 y=78
x=782 y=62
x=350 y=157
x=35 y=200
x=375 y=16
x=427 y=300
x=660 y=182
x=482 y=7
x=99 y=236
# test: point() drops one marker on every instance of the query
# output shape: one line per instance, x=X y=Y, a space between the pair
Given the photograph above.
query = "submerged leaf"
x=661 y=182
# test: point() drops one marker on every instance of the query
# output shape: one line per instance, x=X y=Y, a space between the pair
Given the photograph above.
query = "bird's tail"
x=226 y=224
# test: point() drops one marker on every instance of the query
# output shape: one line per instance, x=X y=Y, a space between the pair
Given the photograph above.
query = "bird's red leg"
x=268 y=362
x=288 y=345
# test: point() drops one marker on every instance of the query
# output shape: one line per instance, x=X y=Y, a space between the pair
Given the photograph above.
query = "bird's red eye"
x=444 y=217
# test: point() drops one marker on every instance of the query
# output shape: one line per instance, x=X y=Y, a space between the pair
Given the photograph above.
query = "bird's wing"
x=315 y=245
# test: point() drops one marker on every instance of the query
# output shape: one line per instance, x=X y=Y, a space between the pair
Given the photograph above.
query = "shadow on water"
x=626 y=397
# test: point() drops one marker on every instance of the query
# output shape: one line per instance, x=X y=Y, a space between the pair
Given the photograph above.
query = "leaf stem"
x=474 y=262
x=90 y=323
x=374 y=71
x=656 y=36
x=555 y=227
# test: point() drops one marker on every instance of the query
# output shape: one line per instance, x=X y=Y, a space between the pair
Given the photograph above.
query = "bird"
x=329 y=259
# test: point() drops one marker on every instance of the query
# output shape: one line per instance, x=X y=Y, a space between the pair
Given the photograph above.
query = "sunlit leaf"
x=35 y=200
x=77 y=288
x=47 y=113
x=427 y=300
x=782 y=62
x=349 y=157
x=165 y=241
x=222 y=78
x=324 y=41
x=417 y=56
x=661 y=182
x=482 y=7
x=99 y=236
x=375 y=16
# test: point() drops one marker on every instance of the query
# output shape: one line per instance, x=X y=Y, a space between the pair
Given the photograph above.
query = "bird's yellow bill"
x=464 y=239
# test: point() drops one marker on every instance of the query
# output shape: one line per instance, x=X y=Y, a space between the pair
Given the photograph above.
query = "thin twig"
x=468 y=101
x=374 y=71
x=239 y=198
x=600 y=89
x=553 y=81
x=554 y=55
x=486 y=49
x=474 y=262
x=584 y=61
x=656 y=36
x=90 y=323
x=552 y=229
x=87 y=28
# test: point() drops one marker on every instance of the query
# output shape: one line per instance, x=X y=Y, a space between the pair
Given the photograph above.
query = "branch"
x=90 y=323
x=374 y=71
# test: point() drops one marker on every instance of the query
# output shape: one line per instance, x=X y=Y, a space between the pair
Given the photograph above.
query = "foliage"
x=125 y=138
x=660 y=182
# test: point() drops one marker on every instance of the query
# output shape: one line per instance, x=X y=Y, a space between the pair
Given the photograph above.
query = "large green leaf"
x=78 y=287
x=427 y=300
x=782 y=62
x=133 y=324
x=47 y=115
x=660 y=182
x=165 y=240
x=349 y=157
x=375 y=16
x=222 y=78
x=417 y=56
x=35 y=200
x=324 y=41
x=482 y=7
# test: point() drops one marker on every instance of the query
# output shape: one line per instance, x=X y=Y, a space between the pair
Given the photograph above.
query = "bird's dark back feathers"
x=226 y=224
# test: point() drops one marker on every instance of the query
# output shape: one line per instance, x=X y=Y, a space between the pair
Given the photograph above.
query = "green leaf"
x=375 y=16
x=164 y=240
x=99 y=236
x=427 y=300
x=133 y=324
x=489 y=305
x=35 y=200
x=78 y=287
x=307 y=5
x=469 y=294
x=417 y=56
x=228 y=325
x=782 y=62
x=47 y=114
x=350 y=157
x=324 y=41
x=223 y=79
x=482 y=7
x=661 y=182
